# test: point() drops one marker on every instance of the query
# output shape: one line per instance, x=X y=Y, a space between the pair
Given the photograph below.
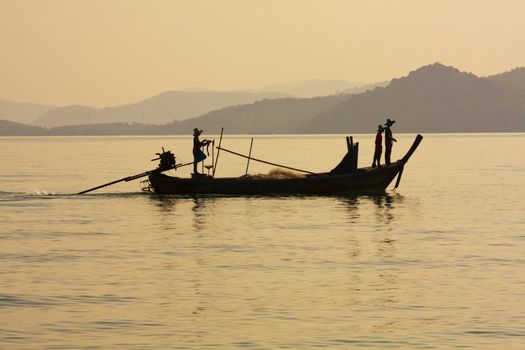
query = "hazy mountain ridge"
x=433 y=98
x=284 y=115
x=513 y=80
x=363 y=88
x=9 y=128
x=168 y=106
x=268 y=116
x=160 y=109
x=68 y=115
x=315 y=87
x=22 y=112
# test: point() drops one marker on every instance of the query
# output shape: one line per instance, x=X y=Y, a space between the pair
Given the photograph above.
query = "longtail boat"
x=344 y=178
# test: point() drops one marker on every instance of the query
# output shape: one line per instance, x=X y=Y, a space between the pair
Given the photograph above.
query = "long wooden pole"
x=218 y=150
x=131 y=178
x=265 y=162
x=249 y=155
x=111 y=183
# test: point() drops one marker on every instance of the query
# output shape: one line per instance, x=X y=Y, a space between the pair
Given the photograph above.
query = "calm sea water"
x=437 y=264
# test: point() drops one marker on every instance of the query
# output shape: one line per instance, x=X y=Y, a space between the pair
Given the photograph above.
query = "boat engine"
x=167 y=160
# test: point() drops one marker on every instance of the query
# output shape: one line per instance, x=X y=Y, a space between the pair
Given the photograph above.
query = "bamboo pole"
x=213 y=154
x=249 y=155
x=132 y=177
x=202 y=163
x=218 y=150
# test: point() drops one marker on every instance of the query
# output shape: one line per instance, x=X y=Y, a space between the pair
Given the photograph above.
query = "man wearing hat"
x=379 y=146
x=198 y=154
x=389 y=139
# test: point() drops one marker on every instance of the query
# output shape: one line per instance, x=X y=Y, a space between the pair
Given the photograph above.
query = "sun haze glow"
x=108 y=52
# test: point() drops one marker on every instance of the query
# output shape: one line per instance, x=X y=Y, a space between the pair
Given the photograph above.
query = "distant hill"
x=9 y=128
x=169 y=106
x=22 y=112
x=314 y=87
x=69 y=115
x=109 y=129
x=512 y=79
x=285 y=115
x=433 y=98
x=266 y=116
x=363 y=88
x=160 y=109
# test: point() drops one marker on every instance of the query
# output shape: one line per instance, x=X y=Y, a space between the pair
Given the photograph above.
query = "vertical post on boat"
x=202 y=163
x=355 y=156
x=218 y=151
x=350 y=146
x=349 y=143
x=249 y=155
x=213 y=154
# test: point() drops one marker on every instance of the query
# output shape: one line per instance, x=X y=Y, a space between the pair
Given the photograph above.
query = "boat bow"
x=407 y=156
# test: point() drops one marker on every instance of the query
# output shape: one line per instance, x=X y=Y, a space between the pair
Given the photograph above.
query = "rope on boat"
x=265 y=162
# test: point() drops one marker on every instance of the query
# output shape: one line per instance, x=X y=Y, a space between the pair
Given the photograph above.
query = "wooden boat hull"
x=361 y=180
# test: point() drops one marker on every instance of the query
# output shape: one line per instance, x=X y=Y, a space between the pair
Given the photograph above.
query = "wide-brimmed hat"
x=389 y=122
x=197 y=132
x=380 y=128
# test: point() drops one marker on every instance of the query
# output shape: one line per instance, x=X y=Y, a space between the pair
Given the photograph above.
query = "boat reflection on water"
x=371 y=214
x=386 y=204
x=206 y=209
x=201 y=209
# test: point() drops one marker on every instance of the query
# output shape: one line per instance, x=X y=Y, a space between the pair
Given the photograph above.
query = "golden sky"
x=108 y=52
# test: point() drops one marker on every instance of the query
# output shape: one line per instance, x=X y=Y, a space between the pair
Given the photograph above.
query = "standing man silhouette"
x=389 y=139
x=198 y=154
x=379 y=146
